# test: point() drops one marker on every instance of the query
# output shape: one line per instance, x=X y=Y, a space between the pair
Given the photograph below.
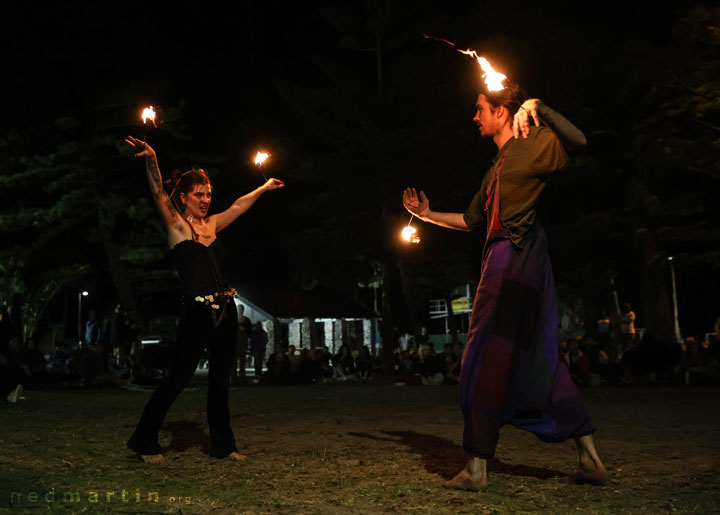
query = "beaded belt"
x=212 y=298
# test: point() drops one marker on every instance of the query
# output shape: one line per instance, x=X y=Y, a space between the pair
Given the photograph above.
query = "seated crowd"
x=114 y=355
x=593 y=362
x=317 y=364
x=422 y=365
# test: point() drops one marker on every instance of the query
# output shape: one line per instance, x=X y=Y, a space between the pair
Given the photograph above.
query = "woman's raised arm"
x=162 y=200
x=244 y=203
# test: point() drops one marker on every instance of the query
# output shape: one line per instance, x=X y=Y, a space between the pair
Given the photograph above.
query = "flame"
x=409 y=233
x=493 y=80
x=261 y=157
x=148 y=114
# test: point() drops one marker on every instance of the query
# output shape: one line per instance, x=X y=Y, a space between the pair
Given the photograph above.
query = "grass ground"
x=351 y=448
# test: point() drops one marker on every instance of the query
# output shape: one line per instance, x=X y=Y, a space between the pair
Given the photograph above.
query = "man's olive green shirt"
x=523 y=176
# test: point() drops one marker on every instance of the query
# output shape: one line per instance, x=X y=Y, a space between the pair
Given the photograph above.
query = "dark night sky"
x=225 y=61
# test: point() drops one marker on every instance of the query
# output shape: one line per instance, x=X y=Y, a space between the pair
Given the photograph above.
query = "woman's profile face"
x=197 y=201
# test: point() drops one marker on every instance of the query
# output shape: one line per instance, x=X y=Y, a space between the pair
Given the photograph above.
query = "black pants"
x=197 y=330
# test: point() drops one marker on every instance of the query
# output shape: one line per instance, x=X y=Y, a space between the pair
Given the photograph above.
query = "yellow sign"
x=461 y=304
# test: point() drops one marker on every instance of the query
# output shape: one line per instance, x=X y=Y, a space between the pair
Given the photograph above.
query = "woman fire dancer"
x=209 y=317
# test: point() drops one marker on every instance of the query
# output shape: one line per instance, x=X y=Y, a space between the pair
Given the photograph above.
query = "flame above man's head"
x=493 y=80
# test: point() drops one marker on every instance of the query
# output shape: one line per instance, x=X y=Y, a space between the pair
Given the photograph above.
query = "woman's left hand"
x=521 y=121
x=273 y=184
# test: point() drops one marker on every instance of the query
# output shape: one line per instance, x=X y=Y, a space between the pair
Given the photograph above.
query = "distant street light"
x=81 y=294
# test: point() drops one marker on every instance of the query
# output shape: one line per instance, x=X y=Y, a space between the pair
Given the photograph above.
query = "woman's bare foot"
x=236 y=456
x=152 y=458
x=590 y=468
x=473 y=477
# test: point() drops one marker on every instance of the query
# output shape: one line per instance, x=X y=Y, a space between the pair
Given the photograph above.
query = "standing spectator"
x=241 y=348
x=627 y=327
x=120 y=334
x=93 y=333
x=258 y=347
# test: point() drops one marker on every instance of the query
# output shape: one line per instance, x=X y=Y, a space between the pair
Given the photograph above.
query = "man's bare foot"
x=236 y=456
x=473 y=477
x=152 y=458
x=590 y=468
x=596 y=475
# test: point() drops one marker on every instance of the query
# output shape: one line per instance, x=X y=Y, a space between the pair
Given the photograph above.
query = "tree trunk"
x=388 y=343
x=656 y=302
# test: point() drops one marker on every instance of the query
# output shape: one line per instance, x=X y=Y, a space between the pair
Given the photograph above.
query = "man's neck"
x=503 y=136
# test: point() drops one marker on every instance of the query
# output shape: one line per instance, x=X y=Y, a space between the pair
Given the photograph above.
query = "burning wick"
x=409 y=233
x=493 y=80
x=148 y=114
x=259 y=160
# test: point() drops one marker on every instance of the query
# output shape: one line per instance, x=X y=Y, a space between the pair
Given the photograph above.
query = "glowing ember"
x=148 y=114
x=493 y=80
x=409 y=233
x=260 y=158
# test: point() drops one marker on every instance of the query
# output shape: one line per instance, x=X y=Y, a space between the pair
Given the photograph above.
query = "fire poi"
x=409 y=233
x=493 y=80
x=148 y=114
x=260 y=158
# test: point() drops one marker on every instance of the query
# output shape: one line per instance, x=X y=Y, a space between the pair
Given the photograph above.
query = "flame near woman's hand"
x=148 y=114
x=261 y=157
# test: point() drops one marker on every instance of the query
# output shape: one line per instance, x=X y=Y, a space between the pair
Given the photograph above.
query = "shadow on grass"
x=442 y=456
x=185 y=434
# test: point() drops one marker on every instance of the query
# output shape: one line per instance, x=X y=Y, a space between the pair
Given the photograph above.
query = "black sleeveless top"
x=199 y=267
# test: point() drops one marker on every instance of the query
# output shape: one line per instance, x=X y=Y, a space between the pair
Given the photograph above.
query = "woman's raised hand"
x=273 y=184
x=419 y=206
x=142 y=148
